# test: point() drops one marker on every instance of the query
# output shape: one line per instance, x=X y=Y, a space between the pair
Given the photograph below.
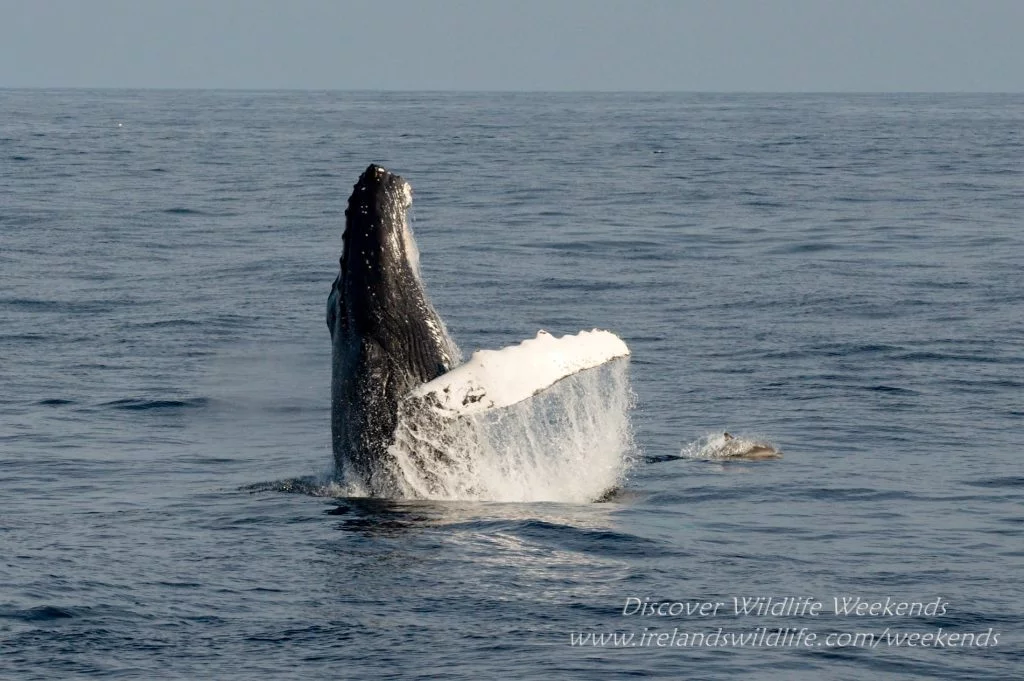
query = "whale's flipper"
x=492 y=379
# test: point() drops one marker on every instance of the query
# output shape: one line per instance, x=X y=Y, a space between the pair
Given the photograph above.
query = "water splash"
x=570 y=443
x=725 y=447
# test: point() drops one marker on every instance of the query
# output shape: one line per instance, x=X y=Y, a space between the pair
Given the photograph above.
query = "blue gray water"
x=839 y=274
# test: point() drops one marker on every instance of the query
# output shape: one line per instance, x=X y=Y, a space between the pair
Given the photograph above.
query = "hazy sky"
x=716 y=45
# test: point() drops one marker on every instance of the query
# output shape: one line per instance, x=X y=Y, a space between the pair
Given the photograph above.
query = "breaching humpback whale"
x=386 y=336
x=392 y=354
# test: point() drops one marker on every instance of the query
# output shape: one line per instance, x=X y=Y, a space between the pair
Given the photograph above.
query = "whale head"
x=377 y=236
x=380 y=261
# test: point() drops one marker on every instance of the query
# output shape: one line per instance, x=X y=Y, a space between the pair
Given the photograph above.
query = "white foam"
x=722 y=446
x=570 y=443
x=493 y=379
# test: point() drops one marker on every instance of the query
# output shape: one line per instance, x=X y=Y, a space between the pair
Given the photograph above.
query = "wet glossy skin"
x=387 y=337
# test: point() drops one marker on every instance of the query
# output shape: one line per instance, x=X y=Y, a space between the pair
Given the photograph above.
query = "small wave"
x=42 y=613
x=853 y=494
x=64 y=306
x=892 y=390
x=178 y=210
x=801 y=249
x=140 y=404
x=54 y=402
x=602 y=541
x=168 y=323
x=1010 y=481
x=924 y=356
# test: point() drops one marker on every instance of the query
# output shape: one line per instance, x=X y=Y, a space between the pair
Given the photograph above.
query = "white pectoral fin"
x=492 y=379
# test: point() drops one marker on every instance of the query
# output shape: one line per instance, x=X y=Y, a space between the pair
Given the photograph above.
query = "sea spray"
x=570 y=443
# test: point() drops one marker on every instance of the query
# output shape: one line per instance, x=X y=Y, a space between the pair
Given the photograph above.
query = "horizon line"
x=158 y=88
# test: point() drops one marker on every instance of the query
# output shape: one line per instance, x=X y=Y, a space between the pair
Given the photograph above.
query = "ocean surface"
x=840 y=275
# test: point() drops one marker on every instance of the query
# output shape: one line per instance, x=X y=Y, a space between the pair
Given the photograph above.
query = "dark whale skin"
x=386 y=336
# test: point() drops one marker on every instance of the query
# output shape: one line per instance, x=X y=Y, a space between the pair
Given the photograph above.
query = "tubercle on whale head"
x=377 y=239
x=378 y=189
x=380 y=281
